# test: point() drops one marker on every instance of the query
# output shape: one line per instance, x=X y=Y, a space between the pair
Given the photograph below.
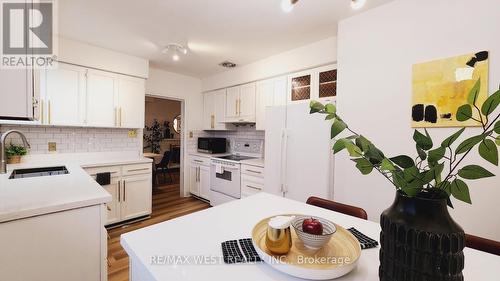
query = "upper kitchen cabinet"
x=62 y=95
x=314 y=84
x=102 y=99
x=131 y=98
x=214 y=110
x=240 y=103
x=18 y=94
x=270 y=92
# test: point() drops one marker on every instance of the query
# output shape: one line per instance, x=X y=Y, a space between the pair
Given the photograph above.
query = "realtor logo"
x=27 y=34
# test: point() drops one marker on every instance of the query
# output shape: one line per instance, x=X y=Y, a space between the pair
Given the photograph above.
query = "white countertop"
x=207 y=155
x=201 y=233
x=259 y=162
x=22 y=198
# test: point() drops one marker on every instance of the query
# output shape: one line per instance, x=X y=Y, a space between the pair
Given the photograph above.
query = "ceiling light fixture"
x=357 y=4
x=176 y=49
x=287 y=5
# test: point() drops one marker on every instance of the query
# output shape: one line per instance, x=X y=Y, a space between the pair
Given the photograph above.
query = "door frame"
x=183 y=138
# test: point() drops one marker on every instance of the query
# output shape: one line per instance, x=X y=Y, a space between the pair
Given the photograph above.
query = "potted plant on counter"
x=14 y=153
x=419 y=239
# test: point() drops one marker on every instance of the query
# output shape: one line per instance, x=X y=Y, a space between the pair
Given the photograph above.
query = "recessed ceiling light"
x=287 y=5
x=176 y=49
x=357 y=4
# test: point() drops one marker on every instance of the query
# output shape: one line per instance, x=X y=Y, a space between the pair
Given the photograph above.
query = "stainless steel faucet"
x=3 y=156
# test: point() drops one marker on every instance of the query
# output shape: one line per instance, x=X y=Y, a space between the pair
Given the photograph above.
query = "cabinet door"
x=113 y=207
x=204 y=182
x=194 y=187
x=102 y=99
x=232 y=100
x=208 y=111
x=136 y=196
x=63 y=92
x=220 y=109
x=16 y=93
x=280 y=89
x=247 y=103
x=301 y=87
x=132 y=102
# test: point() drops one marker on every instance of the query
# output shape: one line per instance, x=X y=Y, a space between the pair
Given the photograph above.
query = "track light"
x=357 y=4
x=287 y=5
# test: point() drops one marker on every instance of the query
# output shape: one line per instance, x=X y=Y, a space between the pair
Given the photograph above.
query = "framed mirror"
x=177 y=124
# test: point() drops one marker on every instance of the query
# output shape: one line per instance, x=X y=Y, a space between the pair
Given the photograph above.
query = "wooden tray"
x=334 y=260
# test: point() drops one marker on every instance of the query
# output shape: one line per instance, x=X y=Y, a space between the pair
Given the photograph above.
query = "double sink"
x=39 y=172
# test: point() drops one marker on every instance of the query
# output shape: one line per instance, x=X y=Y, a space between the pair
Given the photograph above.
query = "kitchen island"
x=159 y=252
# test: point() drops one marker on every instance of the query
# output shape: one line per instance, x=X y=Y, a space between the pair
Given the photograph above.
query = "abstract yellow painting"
x=440 y=87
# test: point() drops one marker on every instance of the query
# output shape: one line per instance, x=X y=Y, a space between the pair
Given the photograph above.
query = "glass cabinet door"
x=328 y=83
x=301 y=88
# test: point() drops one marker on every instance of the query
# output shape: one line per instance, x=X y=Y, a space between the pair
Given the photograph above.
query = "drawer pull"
x=255 y=172
x=253 y=187
x=198 y=161
x=137 y=170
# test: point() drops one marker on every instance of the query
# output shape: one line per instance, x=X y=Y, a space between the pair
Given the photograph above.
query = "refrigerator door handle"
x=284 y=142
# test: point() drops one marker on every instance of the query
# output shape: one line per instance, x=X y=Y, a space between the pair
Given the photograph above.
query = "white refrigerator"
x=299 y=159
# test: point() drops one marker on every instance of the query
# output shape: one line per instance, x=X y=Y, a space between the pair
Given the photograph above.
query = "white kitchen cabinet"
x=136 y=197
x=199 y=177
x=240 y=103
x=131 y=96
x=232 y=101
x=204 y=178
x=270 y=92
x=131 y=191
x=214 y=110
x=61 y=246
x=62 y=95
x=313 y=84
x=17 y=93
x=252 y=180
x=102 y=99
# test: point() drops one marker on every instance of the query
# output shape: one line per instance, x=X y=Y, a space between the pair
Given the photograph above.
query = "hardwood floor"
x=167 y=204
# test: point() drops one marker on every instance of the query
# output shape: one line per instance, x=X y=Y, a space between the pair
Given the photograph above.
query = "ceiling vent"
x=227 y=64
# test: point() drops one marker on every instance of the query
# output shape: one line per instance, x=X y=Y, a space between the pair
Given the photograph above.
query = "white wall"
x=316 y=54
x=79 y=53
x=376 y=52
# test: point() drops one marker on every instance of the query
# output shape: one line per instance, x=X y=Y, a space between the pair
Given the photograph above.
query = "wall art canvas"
x=440 y=87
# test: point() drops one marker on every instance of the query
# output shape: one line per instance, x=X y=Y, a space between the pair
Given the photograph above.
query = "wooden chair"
x=163 y=167
x=482 y=244
x=338 y=207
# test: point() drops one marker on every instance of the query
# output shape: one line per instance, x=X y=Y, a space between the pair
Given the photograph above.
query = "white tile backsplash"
x=75 y=139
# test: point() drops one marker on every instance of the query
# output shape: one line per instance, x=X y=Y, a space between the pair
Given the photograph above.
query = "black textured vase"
x=420 y=241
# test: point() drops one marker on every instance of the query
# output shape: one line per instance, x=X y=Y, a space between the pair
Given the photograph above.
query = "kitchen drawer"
x=252 y=170
x=196 y=160
x=116 y=171
x=251 y=185
x=137 y=169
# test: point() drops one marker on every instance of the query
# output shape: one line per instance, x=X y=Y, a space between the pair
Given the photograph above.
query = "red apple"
x=312 y=226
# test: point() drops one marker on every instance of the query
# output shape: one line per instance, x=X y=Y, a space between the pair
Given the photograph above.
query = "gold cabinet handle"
x=236 y=109
x=108 y=208
x=42 y=117
x=253 y=187
x=116 y=116
x=124 y=191
x=120 y=116
x=212 y=121
x=119 y=191
x=50 y=113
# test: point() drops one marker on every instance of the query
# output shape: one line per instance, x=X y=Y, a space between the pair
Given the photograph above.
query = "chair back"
x=165 y=160
x=482 y=244
x=338 y=207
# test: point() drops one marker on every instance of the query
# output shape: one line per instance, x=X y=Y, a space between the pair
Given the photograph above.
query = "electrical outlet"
x=132 y=133
x=52 y=147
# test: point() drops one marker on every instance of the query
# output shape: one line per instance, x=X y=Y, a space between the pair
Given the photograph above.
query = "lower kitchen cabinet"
x=252 y=180
x=199 y=177
x=136 y=199
x=61 y=246
x=131 y=189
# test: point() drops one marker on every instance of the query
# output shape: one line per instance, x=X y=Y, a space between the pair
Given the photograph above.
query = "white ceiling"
x=242 y=31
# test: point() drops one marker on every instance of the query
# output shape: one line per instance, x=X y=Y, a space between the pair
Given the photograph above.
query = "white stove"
x=225 y=171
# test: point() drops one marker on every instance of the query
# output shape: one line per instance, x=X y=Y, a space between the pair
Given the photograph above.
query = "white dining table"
x=166 y=251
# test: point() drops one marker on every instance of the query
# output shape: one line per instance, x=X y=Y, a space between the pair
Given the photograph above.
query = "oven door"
x=228 y=182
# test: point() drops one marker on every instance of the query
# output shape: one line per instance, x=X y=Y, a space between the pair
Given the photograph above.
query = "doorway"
x=163 y=142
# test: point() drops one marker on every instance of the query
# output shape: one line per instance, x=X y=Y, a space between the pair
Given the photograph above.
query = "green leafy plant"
x=15 y=150
x=436 y=169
